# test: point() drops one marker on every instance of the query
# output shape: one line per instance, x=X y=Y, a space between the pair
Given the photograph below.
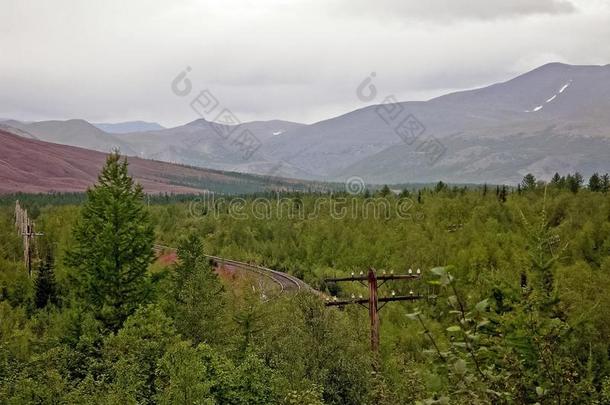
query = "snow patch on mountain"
x=565 y=86
x=548 y=100
x=538 y=108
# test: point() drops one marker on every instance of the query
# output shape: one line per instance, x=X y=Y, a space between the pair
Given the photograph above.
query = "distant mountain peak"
x=554 y=64
x=198 y=122
x=74 y=121
x=129 y=126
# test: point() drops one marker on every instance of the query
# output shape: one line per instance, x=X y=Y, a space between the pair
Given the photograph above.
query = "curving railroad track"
x=285 y=282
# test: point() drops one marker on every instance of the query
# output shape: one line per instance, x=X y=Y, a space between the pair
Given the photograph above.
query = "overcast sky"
x=300 y=60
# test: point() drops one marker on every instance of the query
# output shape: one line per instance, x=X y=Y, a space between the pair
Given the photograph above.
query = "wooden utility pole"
x=28 y=237
x=373 y=310
x=373 y=300
x=25 y=228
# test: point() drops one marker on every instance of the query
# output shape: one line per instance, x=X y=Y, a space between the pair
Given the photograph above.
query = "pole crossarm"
x=382 y=277
x=366 y=300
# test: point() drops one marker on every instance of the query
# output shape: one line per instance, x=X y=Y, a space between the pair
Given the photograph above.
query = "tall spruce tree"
x=595 y=183
x=440 y=186
x=556 y=180
x=45 y=289
x=198 y=295
x=605 y=183
x=529 y=182
x=574 y=182
x=113 y=246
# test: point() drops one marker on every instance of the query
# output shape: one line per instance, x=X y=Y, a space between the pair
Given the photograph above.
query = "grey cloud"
x=298 y=60
x=450 y=10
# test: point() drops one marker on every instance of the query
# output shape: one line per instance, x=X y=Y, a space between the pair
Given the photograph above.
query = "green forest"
x=514 y=286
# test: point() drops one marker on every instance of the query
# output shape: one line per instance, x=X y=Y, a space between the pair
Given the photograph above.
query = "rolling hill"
x=75 y=132
x=31 y=165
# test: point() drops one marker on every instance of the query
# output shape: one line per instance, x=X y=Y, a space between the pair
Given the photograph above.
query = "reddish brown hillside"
x=30 y=165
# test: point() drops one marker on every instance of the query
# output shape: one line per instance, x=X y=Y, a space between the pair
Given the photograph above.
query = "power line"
x=373 y=300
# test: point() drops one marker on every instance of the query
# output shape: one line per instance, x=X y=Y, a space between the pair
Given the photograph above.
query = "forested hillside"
x=515 y=283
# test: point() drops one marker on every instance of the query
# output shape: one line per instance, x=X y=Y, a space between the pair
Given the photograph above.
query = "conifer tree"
x=595 y=183
x=557 y=180
x=385 y=191
x=113 y=246
x=45 y=289
x=528 y=182
x=605 y=183
x=574 y=182
x=503 y=194
x=440 y=186
x=198 y=295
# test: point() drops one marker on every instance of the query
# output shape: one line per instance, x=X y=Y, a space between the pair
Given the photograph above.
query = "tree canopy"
x=112 y=248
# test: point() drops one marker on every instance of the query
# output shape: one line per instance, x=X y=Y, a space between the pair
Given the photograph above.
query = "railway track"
x=285 y=282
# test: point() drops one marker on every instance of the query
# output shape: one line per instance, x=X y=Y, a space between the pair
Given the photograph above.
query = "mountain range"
x=551 y=119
